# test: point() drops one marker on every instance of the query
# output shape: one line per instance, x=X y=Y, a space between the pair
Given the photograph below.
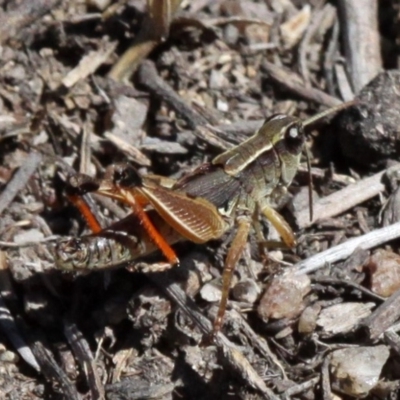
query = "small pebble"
x=211 y=292
x=9 y=356
x=246 y=291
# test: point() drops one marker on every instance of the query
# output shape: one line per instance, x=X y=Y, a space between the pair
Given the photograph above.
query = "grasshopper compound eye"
x=293 y=137
x=293 y=132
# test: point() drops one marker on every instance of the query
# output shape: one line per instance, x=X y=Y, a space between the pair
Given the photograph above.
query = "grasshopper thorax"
x=280 y=130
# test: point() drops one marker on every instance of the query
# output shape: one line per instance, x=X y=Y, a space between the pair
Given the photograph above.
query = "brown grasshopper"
x=115 y=246
x=231 y=191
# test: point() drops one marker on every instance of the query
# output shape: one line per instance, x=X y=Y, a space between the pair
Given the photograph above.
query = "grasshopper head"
x=285 y=131
x=124 y=175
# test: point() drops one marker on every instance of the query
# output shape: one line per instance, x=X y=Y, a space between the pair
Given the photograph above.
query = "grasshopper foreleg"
x=279 y=223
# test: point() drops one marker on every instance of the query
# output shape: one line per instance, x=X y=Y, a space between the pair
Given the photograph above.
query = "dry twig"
x=155 y=28
x=362 y=40
x=342 y=200
x=344 y=250
x=19 y=180
x=383 y=317
x=293 y=82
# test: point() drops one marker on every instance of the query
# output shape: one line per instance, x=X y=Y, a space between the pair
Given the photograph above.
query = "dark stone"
x=369 y=133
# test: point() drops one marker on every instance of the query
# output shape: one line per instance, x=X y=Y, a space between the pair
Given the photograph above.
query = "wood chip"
x=19 y=180
x=342 y=318
x=293 y=29
x=89 y=64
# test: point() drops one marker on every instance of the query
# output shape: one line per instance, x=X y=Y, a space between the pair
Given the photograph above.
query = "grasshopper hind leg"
x=236 y=249
x=234 y=253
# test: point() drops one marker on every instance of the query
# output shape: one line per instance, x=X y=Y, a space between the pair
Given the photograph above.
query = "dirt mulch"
x=167 y=86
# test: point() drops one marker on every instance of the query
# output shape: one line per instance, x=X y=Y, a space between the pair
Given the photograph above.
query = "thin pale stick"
x=344 y=250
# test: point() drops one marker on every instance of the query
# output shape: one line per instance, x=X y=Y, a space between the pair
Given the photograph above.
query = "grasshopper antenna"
x=329 y=111
x=310 y=184
x=310 y=121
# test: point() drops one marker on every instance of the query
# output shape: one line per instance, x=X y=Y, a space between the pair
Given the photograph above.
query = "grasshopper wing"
x=194 y=218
